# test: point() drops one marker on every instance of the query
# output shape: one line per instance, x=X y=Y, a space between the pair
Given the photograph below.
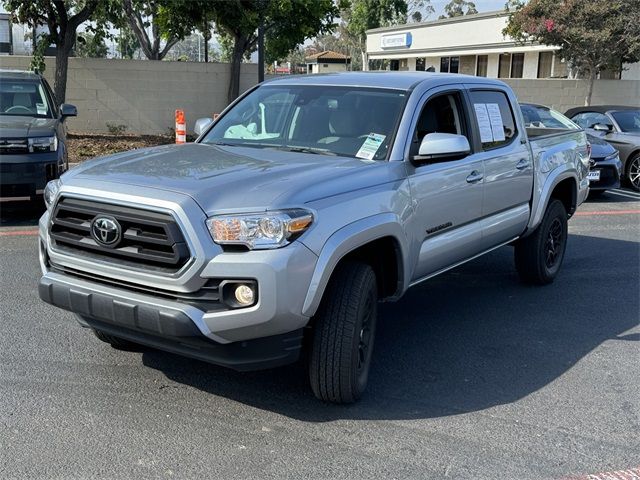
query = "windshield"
x=346 y=121
x=542 y=117
x=628 y=120
x=26 y=98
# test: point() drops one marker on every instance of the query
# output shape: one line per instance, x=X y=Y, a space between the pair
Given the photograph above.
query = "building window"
x=394 y=64
x=504 y=66
x=420 y=64
x=449 y=64
x=481 y=65
x=545 y=61
x=517 y=65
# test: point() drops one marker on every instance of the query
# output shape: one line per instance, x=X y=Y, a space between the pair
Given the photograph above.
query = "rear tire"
x=633 y=173
x=115 y=342
x=539 y=256
x=343 y=335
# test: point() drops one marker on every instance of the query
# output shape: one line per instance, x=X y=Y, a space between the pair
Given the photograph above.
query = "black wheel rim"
x=553 y=244
x=634 y=173
x=364 y=342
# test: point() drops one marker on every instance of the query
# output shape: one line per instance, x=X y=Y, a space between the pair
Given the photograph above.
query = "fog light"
x=244 y=295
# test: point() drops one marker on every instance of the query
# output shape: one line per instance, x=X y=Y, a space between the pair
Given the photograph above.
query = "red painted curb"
x=19 y=233
x=629 y=474
x=609 y=212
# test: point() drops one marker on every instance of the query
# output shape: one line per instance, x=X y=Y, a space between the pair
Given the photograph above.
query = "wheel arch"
x=379 y=241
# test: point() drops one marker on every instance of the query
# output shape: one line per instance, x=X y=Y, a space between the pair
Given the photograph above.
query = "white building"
x=472 y=45
x=327 y=62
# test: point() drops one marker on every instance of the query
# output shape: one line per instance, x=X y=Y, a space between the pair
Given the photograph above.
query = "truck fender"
x=346 y=240
x=543 y=194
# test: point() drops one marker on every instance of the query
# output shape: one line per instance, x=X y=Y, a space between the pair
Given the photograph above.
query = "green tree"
x=287 y=23
x=456 y=8
x=166 y=20
x=592 y=35
x=62 y=17
x=126 y=42
x=364 y=15
x=91 y=45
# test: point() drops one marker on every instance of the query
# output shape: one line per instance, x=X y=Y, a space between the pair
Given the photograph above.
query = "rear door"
x=447 y=195
x=508 y=167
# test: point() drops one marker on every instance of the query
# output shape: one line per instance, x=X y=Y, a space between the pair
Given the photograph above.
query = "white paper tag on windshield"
x=497 y=127
x=41 y=108
x=370 y=146
x=484 y=124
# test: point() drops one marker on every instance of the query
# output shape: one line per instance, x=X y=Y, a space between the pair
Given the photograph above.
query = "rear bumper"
x=159 y=324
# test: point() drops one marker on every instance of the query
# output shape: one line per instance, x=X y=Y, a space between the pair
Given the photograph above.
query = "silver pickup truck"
x=310 y=199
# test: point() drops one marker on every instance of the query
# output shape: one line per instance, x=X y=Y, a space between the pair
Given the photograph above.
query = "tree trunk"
x=239 y=43
x=592 y=78
x=62 y=64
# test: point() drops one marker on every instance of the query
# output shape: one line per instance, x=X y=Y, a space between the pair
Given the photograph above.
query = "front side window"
x=441 y=114
x=24 y=98
x=628 y=120
x=347 y=121
x=494 y=118
x=589 y=119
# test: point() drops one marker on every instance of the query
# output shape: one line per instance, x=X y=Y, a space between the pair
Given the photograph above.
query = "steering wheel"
x=18 y=107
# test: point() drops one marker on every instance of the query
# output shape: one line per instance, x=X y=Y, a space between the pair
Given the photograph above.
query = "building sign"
x=396 y=40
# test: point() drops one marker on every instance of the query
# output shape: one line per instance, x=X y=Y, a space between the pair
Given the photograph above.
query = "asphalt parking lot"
x=475 y=376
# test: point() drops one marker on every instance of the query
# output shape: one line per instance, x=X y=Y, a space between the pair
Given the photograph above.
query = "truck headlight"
x=260 y=230
x=50 y=192
x=43 y=144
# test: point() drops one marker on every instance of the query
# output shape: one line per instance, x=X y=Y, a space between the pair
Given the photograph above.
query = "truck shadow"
x=468 y=340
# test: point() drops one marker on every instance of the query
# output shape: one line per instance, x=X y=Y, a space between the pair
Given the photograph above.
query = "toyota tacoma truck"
x=273 y=237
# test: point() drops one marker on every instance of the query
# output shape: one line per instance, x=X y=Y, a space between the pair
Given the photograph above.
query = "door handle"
x=474 y=177
x=522 y=164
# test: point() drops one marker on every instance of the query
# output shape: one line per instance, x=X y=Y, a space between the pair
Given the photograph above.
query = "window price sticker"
x=370 y=146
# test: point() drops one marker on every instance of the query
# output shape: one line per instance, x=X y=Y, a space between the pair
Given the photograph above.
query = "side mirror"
x=602 y=127
x=442 y=146
x=201 y=125
x=68 y=110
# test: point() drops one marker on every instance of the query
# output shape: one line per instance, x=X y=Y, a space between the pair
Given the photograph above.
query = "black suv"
x=32 y=135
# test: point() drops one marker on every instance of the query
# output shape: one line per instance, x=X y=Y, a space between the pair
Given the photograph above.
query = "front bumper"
x=161 y=325
x=610 y=173
x=24 y=176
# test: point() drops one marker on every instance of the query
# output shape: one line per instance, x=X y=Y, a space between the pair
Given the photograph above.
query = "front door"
x=447 y=195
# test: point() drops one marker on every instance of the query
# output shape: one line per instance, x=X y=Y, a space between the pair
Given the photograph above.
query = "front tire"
x=633 y=172
x=539 y=256
x=343 y=335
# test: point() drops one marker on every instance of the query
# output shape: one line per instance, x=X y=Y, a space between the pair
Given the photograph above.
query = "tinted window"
x=346 y=121
x=493 y=102
x=589 y=119
x=628 y=120
x=441 y=114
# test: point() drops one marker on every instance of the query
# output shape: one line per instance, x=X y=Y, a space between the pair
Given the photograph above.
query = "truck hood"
x=227 y=179
x=14 y=126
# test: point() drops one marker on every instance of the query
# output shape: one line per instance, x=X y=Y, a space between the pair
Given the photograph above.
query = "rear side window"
x=494 y=118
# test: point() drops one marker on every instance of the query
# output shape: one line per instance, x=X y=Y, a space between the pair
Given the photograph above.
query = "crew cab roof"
x=381 y=79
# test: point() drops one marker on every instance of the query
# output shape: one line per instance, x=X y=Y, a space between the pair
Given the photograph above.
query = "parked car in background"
x=618 y=125
x=606 y=167
x=32 y=135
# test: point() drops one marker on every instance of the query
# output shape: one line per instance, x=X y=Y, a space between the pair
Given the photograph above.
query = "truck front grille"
x=15 y=145
x=148 y=240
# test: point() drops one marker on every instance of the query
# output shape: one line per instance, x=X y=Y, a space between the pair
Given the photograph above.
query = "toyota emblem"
x=106 y=231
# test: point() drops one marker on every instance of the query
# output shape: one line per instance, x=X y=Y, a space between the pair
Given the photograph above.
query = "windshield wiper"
x=316 y=151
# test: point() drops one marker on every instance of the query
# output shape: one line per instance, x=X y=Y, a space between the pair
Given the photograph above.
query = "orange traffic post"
x=181 y=127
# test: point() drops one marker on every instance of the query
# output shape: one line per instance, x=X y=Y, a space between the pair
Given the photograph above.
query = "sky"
x=481 y=6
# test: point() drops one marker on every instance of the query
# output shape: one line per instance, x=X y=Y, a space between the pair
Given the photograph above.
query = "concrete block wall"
x=143 y=95
x=562 y=94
